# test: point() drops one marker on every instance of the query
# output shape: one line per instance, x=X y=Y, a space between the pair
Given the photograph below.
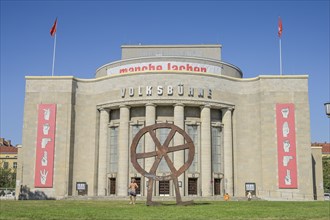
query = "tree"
x=326 y=174
x=7 y=177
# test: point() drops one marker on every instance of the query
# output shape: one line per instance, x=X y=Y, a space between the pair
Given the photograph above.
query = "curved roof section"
x=170 y=58
x=169 y=64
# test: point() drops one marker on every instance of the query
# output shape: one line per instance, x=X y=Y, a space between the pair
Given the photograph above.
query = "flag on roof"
x=53 y=29
x=280 y=27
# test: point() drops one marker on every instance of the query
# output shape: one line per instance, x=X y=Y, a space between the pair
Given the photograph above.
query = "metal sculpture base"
x=153 y=203
x=177 y=192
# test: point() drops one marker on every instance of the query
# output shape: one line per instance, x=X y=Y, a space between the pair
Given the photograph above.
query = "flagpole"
x=54 y=55
x=280 y=30
x=280 y=55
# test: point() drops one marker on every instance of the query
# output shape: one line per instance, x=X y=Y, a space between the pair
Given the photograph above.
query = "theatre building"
x=203 y=123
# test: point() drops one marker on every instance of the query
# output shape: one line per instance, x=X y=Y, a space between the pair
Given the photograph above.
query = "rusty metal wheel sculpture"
x=161 y=152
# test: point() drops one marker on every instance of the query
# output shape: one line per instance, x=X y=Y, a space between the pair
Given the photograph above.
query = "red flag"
x=280 y=28
x=53 y=29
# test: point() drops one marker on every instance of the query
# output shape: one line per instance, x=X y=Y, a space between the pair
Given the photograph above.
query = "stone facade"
x=232 y=120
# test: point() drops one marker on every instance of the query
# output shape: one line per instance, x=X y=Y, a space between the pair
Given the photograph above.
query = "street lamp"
x=327 y=109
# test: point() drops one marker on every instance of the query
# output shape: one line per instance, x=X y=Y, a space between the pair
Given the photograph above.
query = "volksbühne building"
x=249 y=134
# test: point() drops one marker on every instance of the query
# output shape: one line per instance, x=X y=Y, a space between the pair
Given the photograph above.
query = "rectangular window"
x=15 y=165
x=112 y=186
x=192 y=186
x=217 y=186
x=163 y=167
x=216 y=149
x=140 y=147
x=113 y=149
x=164 y=188
x=192 y=131
x=5 y=165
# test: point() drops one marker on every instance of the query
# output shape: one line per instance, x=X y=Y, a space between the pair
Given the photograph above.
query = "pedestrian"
x=249 y=196
x=132 y=191
x=226 y=197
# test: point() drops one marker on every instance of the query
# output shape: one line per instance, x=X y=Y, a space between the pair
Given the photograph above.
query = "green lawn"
x=88 y=209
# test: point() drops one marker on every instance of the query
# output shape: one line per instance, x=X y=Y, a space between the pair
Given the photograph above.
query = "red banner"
x=45 y=146
x=286 y=146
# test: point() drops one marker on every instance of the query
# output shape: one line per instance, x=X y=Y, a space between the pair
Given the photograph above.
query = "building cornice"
x=260 y=77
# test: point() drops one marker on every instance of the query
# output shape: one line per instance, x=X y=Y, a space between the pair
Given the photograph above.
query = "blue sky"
x=90 y=34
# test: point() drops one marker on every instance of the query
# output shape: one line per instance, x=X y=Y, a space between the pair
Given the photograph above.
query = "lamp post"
x=327 y=109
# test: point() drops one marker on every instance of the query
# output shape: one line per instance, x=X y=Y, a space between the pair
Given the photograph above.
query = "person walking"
x=249 y=196
x=226 y=197
x=132 y=191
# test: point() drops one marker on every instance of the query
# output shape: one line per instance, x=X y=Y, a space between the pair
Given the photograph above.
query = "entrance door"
x=217 y=186
x=192 y=186
x=164 y=188
x=112 y=186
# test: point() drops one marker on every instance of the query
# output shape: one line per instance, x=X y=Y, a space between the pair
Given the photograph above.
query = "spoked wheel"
x=160 y=152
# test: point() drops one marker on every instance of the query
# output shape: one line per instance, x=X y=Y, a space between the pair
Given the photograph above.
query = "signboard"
x=286 y=146
x=165 y=66
x=82 y=188
x=45 y=146
x=250 y=187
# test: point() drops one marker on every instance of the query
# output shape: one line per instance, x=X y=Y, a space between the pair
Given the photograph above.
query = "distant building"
x=8 y=154
x=325 y=148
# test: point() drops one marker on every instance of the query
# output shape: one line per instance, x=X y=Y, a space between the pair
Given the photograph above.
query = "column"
x=123 y=151
x=103 y=142
x=178 y=140
x=206 y=159
x=228 y=151
x=149 y=143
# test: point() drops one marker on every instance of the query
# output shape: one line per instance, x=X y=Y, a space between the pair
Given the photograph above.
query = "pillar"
x=103 y=142
x=178 y=140
x=228 y=151
x=206 y=159
x=149 y=143
x=123 y=151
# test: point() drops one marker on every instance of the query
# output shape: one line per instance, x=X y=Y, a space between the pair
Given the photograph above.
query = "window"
x=164 y=188
x=112 y=186
x=192 y=131
x=163 y=133
x=140 y=147
x=5 y=165
x=192 y=186
x=217 y=186
x=15 y=165
x=113 y=149
x=216 y=149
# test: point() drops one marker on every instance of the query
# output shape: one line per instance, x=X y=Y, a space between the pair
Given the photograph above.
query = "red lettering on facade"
x=170 y=67
x=137 y=69
x=189 y=68
x=124 y=70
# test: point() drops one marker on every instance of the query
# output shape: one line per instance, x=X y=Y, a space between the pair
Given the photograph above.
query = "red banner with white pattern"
x=45 y=146
x=286 y=146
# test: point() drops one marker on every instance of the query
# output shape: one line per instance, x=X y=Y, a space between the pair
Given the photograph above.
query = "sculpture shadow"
x=189 y=204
